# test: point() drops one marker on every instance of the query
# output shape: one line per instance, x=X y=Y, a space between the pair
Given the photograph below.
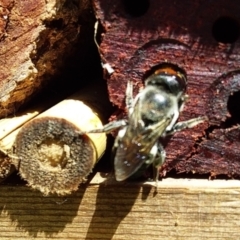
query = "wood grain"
x=104 y=209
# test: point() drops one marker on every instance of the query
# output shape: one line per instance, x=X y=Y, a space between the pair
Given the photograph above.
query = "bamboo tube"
x=49 y=151
x=8 y=125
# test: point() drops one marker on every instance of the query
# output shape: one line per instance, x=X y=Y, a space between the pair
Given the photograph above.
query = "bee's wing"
x=134 y=148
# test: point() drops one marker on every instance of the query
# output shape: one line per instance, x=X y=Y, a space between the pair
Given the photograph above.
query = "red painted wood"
x=202 y=38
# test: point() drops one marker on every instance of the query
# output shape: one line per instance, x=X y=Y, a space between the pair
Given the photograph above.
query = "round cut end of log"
x=52 y=156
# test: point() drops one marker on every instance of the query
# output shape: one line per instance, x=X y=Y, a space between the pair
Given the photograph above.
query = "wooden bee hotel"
x=148 y=147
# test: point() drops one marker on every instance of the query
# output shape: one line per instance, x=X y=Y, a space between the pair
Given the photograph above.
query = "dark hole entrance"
x=136 y=8
x=225 y=30
x=57 y=23
x=162 y=66
x=233 y=106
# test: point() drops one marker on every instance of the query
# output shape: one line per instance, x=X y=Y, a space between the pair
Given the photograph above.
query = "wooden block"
x=182 y=209
x=203 y=39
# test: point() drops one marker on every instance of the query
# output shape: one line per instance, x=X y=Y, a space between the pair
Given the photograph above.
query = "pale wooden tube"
x=8 y=125
x=49 y=151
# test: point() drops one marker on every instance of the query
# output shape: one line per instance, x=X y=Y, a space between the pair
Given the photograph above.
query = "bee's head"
x=168 y=79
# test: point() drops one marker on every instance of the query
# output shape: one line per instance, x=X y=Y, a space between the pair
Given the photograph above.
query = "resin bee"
x=150 y=115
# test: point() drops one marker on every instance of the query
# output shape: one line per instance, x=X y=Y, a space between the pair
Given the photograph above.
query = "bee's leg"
x=120 y=135
x=158 y=161
x=108 y=127
x=176 y=113
x=186 y=124
x=174 y=119
x=129 y=97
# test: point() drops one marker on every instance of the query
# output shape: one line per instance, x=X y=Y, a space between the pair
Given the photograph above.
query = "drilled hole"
x=136 y=8
x=234 y=106
x=225 y=30
x=164 y=65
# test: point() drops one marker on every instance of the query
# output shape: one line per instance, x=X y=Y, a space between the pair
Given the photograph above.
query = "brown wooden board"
x=202 y=38
x=182 y=209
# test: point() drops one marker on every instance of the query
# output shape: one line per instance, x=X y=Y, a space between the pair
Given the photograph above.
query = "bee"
x=152 y=114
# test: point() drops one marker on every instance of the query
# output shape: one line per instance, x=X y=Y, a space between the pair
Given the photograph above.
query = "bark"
x=35 y=38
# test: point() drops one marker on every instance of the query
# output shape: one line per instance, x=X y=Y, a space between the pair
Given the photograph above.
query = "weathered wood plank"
x=182 y=209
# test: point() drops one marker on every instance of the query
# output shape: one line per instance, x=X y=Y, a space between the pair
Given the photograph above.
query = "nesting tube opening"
x=52 y=154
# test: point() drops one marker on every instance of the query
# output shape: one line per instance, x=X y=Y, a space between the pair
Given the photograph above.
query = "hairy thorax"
x=157 y=104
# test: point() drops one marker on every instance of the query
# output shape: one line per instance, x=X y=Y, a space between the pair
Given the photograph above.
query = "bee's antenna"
x=105 y=65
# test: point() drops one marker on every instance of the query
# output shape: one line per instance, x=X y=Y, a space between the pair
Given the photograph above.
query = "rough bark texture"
x=35 y=37
x=201 y=37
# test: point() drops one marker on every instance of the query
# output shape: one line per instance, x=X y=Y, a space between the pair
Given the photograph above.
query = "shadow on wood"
x=32 y=214
x=112 y=207
x=182 y=209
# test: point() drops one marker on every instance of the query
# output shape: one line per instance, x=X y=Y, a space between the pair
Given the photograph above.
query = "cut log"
x=202 y=38
x=35 y=37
